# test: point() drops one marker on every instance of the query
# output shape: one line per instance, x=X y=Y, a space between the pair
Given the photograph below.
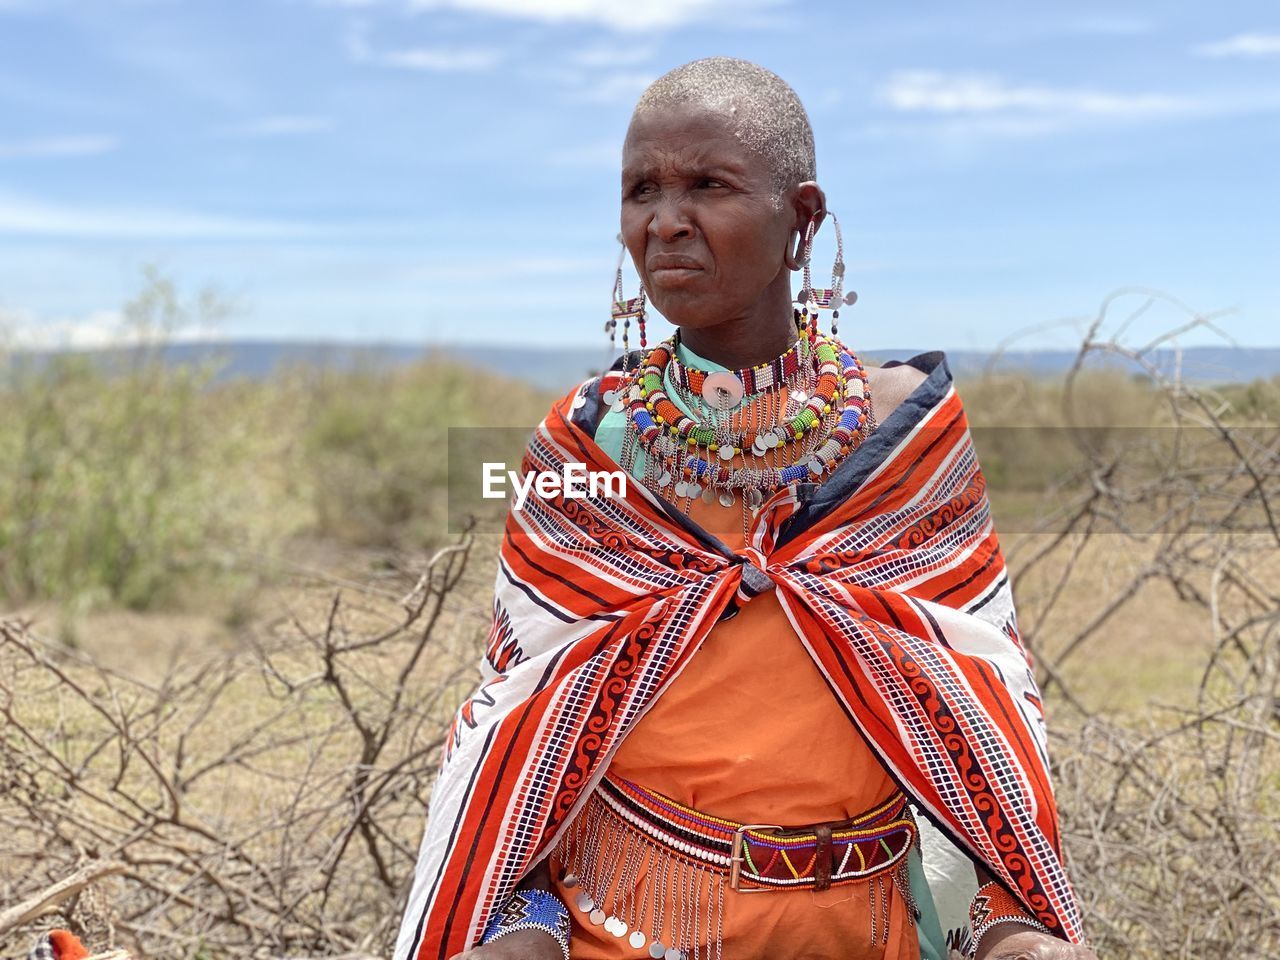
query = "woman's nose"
x=670 y=221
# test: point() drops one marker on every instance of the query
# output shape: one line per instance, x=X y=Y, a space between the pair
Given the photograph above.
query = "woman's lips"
x=666 y=269
x=673 y=276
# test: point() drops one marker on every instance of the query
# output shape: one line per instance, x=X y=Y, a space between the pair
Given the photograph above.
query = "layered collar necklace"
x=740 y=436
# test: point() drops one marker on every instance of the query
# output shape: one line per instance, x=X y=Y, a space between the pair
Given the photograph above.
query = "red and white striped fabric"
x=892 y=577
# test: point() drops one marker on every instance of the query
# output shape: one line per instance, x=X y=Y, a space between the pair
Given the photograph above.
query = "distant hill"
x=556 y=369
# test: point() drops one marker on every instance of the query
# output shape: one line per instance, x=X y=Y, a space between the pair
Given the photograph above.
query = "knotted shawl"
x=891 y=575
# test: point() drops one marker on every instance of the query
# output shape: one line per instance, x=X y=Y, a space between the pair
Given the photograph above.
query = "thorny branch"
x=269 y=803
x=195 y=817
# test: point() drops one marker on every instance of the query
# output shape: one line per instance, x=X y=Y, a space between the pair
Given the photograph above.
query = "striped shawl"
x=890 y=573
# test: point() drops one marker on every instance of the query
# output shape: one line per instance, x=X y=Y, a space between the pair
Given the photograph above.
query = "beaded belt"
x=761 y=857
x=655 y=872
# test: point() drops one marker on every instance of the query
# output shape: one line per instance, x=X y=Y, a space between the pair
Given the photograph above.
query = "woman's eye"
x=710 y=183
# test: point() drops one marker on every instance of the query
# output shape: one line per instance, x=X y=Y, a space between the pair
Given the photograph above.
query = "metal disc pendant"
x=620 y=928
x=665 y=479
x=708 y=495
x=657 y=950
x=617 y=405
x=758 y=447
x=799 y=397
x=775 y=438
x=636 y=939
x=674 y=954
x=610 y=396
x=692 y=490
x=726 y=453
x=597 y=916
x=682 y=488
x=570 y=880
x=722 y=390
x=815 y=467
x=585 y=903
x=726 y=499
x=579 y=402
x=755 y=499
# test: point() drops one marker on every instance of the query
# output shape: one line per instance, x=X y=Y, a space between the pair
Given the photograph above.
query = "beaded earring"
x=824 y=298
x=625 y=309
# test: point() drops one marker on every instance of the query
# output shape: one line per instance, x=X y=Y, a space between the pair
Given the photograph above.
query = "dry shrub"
x=269 y=803
x=266 y=803
x=1171 y=815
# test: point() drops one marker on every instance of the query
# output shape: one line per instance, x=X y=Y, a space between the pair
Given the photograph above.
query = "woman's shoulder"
x=894 y=380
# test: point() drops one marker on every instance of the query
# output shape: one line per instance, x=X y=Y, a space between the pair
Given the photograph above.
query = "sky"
x=443 y=170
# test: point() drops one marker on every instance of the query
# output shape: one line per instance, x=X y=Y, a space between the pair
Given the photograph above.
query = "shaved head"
x=764 y=112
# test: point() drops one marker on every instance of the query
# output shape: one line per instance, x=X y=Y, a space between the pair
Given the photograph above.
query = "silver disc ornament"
x=722 y=390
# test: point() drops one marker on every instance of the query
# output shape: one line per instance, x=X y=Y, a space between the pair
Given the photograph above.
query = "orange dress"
x=750 y=732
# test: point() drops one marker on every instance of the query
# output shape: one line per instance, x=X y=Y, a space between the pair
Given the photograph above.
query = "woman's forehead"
x=673 y=140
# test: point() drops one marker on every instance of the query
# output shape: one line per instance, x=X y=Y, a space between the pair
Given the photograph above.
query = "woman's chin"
x=689 y=320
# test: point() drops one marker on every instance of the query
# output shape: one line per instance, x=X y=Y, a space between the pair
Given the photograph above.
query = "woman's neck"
x=745 y=341
x=743 y=347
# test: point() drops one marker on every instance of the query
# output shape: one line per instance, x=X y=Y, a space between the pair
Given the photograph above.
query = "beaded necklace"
x=754 y=380
x=826 y=415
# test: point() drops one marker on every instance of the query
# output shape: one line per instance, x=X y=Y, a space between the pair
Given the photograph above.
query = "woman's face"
x=700 y=219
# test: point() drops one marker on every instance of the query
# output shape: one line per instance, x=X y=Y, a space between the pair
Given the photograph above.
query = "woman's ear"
x=791 y=256
x=810 y=205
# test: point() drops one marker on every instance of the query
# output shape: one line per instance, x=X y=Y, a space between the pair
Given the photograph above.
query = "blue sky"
x=447 y=169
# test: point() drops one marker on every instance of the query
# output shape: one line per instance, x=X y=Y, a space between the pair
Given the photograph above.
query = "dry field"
x=232 y=641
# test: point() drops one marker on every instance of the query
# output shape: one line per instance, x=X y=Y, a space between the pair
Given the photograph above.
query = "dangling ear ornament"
x=624 y=309
x=824 y=298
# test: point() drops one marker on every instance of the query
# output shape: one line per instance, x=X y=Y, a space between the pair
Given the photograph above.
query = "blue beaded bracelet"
x=531 y=910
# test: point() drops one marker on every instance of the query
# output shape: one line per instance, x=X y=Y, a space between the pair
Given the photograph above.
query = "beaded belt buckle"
x=736 y=857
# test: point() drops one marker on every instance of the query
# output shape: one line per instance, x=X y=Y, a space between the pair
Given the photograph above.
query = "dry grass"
x=246 y=760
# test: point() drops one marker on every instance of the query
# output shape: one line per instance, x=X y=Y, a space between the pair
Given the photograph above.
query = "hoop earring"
x=825 y=298
x=625 y=309
x=807 y=318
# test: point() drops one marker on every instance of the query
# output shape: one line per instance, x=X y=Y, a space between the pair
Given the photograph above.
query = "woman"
x=778 y=658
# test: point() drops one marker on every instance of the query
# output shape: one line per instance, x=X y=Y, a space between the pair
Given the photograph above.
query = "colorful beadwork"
x=810 y=409
x=654 y=412
x=991 y=906
x=531 y=909
x=754 y=379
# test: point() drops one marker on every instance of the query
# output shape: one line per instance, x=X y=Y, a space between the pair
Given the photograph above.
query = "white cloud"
x=617 y=14
x=967 y=128
x=928 y=91
x=442 y=59
x=1242 y=45
x=283 y=125
x=96 y=329
x=26 y=217
x=79 y=146
x=433 y=59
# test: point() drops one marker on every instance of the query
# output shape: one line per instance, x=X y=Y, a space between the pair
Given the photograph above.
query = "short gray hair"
x=768 y=116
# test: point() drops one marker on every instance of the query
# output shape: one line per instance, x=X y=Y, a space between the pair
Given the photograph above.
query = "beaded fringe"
x=665 y=900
